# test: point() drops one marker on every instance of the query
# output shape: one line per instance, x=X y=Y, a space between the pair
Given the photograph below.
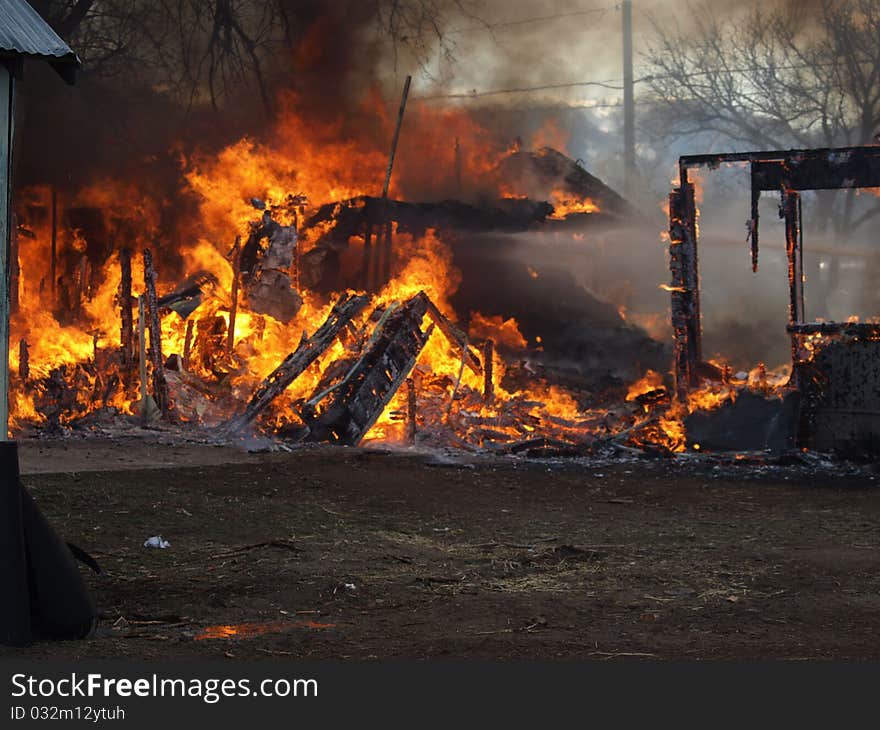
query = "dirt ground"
x=338 y=553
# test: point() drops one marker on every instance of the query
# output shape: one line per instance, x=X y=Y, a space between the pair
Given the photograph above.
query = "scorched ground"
x=330 y=553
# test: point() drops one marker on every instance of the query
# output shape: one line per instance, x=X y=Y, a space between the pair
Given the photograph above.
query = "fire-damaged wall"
x=841 y=398
x=830 y=401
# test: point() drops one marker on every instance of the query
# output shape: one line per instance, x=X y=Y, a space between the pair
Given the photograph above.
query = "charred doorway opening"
x=831 y=401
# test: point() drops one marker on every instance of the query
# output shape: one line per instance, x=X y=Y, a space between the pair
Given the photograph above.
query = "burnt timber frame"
x=787 y=172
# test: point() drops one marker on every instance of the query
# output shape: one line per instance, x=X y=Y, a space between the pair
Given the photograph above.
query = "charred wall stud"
x=235 y=256
x=685 y=286
x=160 y=386
x=790 y=210
x=488 y=375
x=126 y=335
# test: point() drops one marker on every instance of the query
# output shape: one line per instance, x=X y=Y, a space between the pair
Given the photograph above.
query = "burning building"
x=279 y=288
x=293 y=303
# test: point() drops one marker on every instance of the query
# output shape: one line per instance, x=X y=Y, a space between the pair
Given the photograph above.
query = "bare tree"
x=774 y=79
x=206 y=50
x=777 y=77
x=65 y=16
x=420 y=25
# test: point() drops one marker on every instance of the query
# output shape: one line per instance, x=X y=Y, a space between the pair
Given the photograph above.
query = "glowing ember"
x=252 y=629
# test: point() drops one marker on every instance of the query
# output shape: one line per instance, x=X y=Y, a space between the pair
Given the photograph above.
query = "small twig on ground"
x=285 y=544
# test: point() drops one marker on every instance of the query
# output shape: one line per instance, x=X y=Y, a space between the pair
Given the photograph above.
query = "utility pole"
x=629 y=111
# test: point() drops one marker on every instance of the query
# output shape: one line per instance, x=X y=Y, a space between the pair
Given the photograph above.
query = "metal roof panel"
x=24 y=32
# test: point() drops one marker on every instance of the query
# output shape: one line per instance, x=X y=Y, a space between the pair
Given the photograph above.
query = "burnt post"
x=790 y=210
x=297 y=255
x=125 y=314
x=24 y=360
x=383 y=274
x=411 y=410
x=233 y=308
x=394 y=141
x=685 y=286
x=187 y=344
x=488 y=384
x=148 y=407
x=160 y=386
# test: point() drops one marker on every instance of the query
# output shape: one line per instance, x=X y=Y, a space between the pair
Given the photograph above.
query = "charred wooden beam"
x=790 y=211
x=685 y=287
x=147 y=405
x=233 y=307
x=297 y=256
x=814 y=169
x=411 y=410
x=187 y=344
x=349 y=218
x=125 y=309
x=309 y=350
x=394 y=141
x=855 y=330
x=346 y=413
x=488 y=383
x=753 y=227
x=854 y=167
x=160 y=386
x=798 y=170
x=456 y=337
x=24 y=360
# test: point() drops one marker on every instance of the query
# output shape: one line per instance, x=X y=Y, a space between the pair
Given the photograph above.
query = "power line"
x=523 y=90
x=611 y=104
x=741 y=70
x=611 y=84
x=528 y=21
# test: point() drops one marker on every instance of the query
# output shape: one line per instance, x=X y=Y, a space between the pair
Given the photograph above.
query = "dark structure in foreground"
x=835 y=368
x=42 y=592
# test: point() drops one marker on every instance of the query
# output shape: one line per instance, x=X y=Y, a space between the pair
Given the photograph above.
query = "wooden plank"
x=160 y=386
x=126 y=318
x=233 y=308
x=309 y=350
x=354 y=405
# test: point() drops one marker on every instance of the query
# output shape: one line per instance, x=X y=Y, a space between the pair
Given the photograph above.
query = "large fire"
x=69 y=309
x=66 y=332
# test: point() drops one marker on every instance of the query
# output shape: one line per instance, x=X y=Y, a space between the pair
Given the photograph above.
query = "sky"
x=555 y=42
x=552 y=43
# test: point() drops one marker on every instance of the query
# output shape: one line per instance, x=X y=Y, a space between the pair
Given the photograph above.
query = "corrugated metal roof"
x=24 y=32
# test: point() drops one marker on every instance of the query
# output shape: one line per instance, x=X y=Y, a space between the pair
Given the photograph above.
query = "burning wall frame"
x=789 y=173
